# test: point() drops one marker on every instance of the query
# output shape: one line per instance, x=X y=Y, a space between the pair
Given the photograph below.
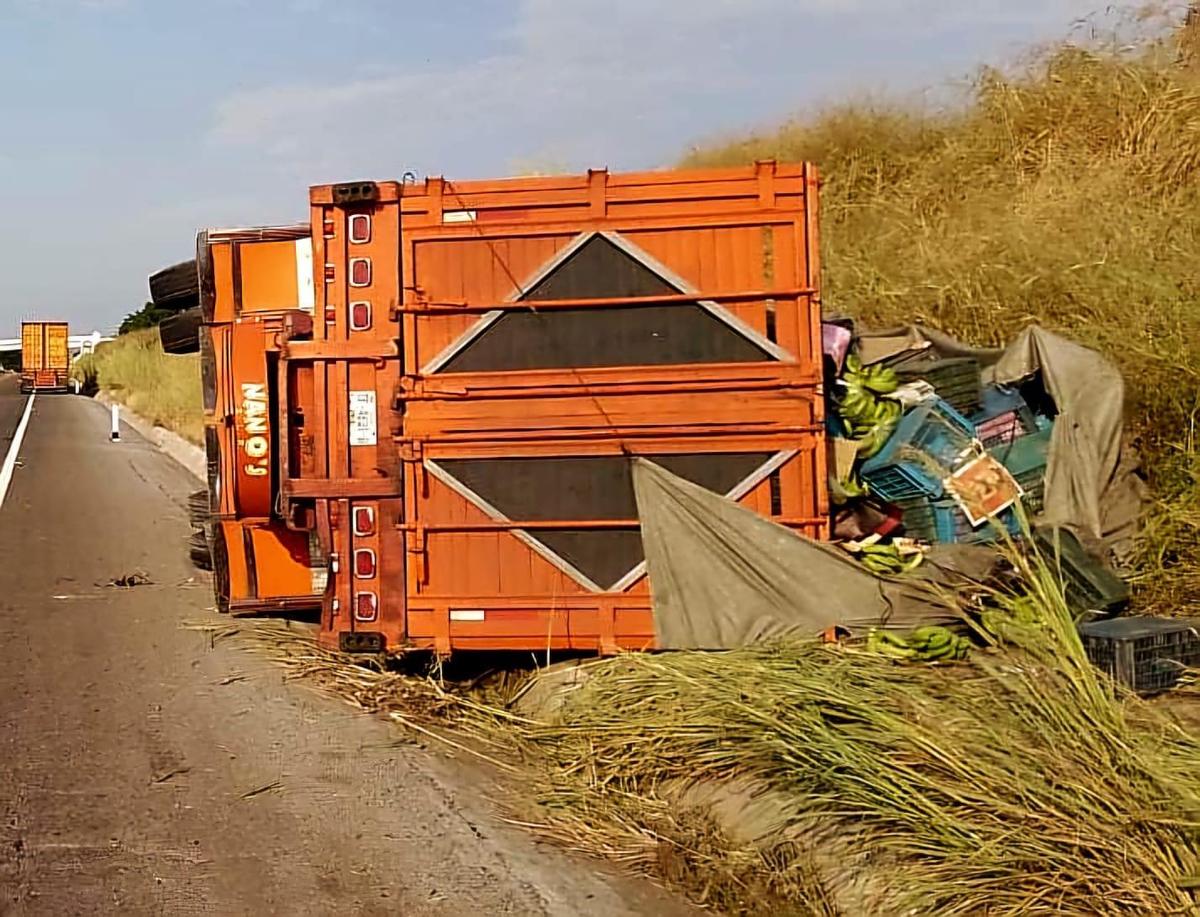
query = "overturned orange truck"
x=421 y=412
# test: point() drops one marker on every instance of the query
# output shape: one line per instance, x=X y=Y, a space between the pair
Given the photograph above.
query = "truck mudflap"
x=462 y=422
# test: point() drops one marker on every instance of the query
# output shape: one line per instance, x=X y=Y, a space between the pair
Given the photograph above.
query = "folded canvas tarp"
x=722 y=576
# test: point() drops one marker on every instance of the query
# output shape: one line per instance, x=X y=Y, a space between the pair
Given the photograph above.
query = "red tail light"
x=366 y=606
x=360 y=272
x=360 y=316
x=364 y=520
x=364 y=563
x=330 y=273
x=330 y=316
x=360 y=228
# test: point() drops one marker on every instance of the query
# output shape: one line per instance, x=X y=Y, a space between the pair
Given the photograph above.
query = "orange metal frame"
x=369 y=416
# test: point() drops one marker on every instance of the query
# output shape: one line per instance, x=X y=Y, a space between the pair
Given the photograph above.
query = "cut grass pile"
x=163 y=388
x=800 y=778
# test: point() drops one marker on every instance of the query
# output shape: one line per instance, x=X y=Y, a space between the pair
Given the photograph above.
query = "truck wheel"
x=181 y=333
x=220 y=567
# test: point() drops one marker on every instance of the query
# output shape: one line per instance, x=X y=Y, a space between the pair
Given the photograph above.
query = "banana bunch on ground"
x=902 y=555
x=932 y=643
x=1011 y=623
x=870 y=417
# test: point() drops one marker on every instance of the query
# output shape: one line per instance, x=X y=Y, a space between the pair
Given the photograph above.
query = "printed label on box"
x=362 y=419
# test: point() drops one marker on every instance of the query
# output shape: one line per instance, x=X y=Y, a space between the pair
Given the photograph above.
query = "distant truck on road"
x=45 y=357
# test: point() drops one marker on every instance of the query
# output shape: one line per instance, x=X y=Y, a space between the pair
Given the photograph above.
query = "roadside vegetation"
x=162 y=388
x=1065 y=193
x=827 y=780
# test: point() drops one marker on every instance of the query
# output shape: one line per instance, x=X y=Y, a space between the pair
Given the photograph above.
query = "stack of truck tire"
x=177 y=288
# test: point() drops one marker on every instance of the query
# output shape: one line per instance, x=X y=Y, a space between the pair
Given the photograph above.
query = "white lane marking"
x=10 y=460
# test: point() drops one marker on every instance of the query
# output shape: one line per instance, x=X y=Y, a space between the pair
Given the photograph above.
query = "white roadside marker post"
x=116 y=426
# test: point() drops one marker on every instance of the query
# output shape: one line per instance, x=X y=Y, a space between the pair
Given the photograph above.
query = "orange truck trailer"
x=421 y=414
x=45 y=357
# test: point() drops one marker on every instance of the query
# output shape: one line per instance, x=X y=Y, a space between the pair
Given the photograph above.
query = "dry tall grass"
x=163 y=388
x=805 y=779
x=1067 y=193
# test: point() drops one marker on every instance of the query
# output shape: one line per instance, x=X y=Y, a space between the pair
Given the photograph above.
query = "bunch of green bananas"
x=852 y=488
x=1017 y=619
x=870 y=418
x=932 y=643
x=888 y=559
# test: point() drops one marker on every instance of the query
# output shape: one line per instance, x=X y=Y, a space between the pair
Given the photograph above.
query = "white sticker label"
x=306 y=291
x=362 y=419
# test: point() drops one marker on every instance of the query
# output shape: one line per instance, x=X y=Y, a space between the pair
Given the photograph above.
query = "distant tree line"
x=149 y=316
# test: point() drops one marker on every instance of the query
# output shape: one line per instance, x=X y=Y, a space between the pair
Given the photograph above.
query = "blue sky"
x=129 y=124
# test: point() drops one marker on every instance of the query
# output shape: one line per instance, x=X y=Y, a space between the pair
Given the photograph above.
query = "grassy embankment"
x=1067 y=194
x=162 y=388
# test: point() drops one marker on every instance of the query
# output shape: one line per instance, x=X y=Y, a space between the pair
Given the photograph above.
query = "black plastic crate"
x=1088 y=584
x=955 y=379
x=944 y=522
x=1033 y=486
x=1147 y=655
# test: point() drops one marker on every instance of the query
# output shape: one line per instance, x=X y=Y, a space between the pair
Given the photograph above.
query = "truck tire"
x=181 y=333
x=176 y=287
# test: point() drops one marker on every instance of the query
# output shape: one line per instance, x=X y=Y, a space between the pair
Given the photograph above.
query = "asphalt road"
x=145 y=771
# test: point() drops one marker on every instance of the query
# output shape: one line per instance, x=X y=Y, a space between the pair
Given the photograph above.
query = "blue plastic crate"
x=930 y=443
x=943 y=522
x=1004 y=417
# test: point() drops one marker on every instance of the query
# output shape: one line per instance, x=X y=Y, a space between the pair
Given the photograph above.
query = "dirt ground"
x=147 y=769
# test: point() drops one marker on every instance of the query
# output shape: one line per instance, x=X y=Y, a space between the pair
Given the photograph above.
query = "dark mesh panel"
x=589 y=487
x=652 y=335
